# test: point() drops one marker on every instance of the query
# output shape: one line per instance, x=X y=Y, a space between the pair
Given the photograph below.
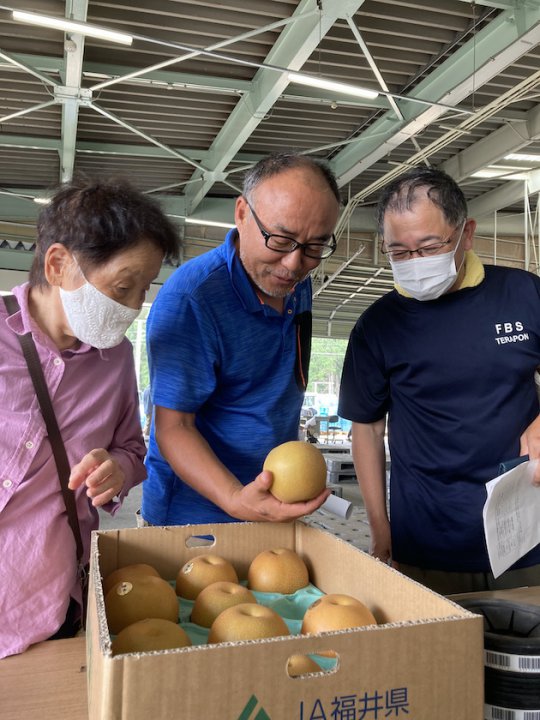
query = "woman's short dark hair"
x=443 y=191
x=96 y=220
x=281 y=162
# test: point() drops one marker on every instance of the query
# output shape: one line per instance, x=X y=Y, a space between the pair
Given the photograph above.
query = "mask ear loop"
x=458 y=270
x=72 y=270
x=79 y=268
x=86 y=280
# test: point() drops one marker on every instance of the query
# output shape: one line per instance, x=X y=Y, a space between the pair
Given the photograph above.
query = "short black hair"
x=97 y=219
x=442 y=190
x=280 y=162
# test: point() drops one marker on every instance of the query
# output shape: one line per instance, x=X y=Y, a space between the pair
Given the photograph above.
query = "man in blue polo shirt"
x=449 y=356
x=228 y=343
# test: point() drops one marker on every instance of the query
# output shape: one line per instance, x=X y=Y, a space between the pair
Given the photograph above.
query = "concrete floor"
x=125 y=517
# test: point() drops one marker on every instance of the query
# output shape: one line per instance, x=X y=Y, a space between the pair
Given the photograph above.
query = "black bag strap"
x=53 y=431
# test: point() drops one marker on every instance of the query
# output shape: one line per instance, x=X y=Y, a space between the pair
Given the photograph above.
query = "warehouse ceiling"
x=204 y=91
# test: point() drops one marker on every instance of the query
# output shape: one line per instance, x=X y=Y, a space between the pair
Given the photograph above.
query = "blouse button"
x=7 y=483
x=29 y=445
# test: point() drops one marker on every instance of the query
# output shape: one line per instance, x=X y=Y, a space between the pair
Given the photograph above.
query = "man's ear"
x=468 y=233
x=58 y=262
x=241 y=210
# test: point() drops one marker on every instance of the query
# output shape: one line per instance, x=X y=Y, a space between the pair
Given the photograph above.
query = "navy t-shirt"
x=215 y=350
x=456 y=377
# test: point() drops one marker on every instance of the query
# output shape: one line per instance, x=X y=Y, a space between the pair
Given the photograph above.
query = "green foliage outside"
x=137 y=336
x=327 y=357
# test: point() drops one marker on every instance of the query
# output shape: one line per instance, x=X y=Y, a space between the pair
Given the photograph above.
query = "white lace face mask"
x=427 y=278
x=95 y=318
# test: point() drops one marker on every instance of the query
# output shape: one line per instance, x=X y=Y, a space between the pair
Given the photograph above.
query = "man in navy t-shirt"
x=449 y=357
x=229 y=337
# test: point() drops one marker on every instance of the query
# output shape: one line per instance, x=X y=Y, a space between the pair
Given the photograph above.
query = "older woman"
x=99 y=246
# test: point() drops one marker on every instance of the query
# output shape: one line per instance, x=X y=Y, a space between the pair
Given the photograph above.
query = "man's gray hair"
x=280 y=162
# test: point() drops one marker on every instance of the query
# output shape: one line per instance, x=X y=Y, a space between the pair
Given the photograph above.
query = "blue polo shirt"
x=456 y=377
x=215 y=350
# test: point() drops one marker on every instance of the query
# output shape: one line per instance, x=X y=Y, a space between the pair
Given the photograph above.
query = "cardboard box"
x=424 y=661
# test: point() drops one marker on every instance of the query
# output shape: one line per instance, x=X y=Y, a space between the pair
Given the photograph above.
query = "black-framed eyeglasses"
x=284 y=244
x=424 y=251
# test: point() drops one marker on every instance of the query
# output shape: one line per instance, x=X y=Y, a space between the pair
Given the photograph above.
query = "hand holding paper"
x=511 y=516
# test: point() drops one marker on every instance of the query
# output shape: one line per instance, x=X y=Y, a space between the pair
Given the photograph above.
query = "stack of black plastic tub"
x=512 y=658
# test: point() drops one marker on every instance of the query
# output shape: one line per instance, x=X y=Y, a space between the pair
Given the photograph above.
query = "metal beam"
x=507 y=139
x=183 y=80
x=22 y=63
x=29 y=142
x=73 y=57
x=123 y=123
x=292 y=49
x=512 y=34
x=498 y=4
x=16 y=208
x=124 y=150
x=15 y=260
x=210 y=51
x=504 y=196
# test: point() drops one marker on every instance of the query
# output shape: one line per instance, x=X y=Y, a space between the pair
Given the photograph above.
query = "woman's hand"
x=102 y=475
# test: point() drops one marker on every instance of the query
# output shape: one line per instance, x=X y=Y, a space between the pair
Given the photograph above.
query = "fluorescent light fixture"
x=42 y=200
x=324 y=84
x=96 y=75
x=212 y=223
x=523 y=157
x=71 y=26
x=499 y=171
x=199 y=221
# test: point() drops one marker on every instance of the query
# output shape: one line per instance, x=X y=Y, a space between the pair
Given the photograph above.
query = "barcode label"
x=530 y=664
x=516 y=663
x=492 y=712
x=495 y=713
x=497 y=660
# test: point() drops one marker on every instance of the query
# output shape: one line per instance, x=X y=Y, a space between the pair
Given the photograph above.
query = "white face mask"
x=427 y=278
x=95 y=318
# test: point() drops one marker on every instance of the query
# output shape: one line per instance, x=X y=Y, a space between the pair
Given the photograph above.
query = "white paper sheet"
x=511 y=516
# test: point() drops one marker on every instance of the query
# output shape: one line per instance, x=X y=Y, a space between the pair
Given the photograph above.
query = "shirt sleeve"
x=183 y=353
x=364 y=389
